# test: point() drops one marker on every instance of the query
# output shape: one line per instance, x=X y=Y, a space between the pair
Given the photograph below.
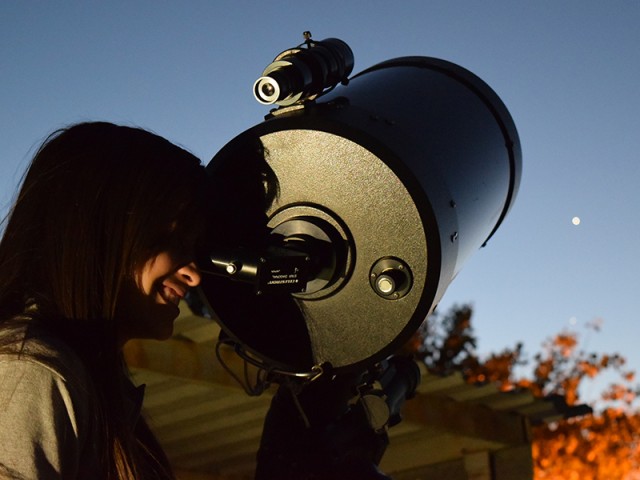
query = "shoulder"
x=46 y=407
x=43 y=354
x=42 y=363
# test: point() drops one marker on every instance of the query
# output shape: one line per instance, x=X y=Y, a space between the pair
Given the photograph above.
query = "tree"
x=604 y=445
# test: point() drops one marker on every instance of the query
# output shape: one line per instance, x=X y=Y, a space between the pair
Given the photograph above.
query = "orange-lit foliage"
x=602 y=446
x=595 y=447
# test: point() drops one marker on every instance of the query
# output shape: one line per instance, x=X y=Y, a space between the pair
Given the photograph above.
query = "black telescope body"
x=396 y=178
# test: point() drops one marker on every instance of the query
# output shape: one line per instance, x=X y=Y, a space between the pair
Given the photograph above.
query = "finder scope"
x=303 y=72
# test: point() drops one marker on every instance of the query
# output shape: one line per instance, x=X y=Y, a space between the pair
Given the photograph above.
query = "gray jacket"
x=46 y=414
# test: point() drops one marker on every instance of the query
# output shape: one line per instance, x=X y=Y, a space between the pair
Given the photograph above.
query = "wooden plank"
x=182 y=358
x=514 y=463
x=466 y=419
x=477 y=465
x=417 y=450
x=433 y=383
x=507 y=400
x=450 y=470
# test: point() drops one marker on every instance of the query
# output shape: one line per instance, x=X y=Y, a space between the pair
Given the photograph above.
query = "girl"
x=98 y=249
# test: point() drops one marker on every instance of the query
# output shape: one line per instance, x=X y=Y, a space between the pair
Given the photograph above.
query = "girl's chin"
x=156 y=323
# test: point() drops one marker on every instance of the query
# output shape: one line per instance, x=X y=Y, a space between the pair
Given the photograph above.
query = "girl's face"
x=147 y=307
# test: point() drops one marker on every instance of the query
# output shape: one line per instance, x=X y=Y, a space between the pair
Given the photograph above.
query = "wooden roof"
x=210 y=428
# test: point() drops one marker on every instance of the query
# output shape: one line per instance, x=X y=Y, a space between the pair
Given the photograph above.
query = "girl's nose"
x=190 y=274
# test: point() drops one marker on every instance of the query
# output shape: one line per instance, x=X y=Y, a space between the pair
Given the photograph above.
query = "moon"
x=575 y=220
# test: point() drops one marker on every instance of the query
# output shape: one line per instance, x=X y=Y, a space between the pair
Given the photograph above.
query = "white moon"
x=575 y=220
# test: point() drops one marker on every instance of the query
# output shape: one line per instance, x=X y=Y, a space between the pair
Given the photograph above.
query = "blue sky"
x=567 y=70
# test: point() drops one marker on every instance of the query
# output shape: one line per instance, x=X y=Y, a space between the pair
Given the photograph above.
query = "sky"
x=566 y=70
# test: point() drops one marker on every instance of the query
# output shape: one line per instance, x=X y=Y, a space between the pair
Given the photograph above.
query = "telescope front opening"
x=266 y=90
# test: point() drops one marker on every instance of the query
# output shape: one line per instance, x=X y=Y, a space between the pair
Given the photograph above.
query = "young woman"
x=98 y=249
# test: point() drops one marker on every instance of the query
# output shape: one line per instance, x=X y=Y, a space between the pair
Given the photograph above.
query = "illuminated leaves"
x=564 y=343
x=602 y=446
x=605 y=445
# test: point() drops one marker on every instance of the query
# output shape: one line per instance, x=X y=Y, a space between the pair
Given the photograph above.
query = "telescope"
x=379 y=187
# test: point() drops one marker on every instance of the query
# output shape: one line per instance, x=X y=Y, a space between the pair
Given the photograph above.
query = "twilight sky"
x=567 y=71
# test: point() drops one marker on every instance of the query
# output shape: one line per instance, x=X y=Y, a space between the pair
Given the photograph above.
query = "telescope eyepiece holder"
x=302 y=74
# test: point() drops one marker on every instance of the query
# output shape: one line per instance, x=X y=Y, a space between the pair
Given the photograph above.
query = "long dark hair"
x=97 y=201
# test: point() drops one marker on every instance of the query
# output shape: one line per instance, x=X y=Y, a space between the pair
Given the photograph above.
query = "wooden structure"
x=211 y=428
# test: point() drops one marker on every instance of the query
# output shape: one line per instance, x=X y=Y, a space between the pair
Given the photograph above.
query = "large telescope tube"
x=403 y=173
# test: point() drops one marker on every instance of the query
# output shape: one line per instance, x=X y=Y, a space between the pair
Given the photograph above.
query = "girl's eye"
x=183 y=240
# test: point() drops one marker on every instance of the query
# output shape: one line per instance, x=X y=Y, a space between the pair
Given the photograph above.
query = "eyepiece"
x=266 y=90
x=301 y=74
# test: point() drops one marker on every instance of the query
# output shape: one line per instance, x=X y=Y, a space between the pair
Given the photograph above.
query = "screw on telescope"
x=232 y=268
x=385 y=284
